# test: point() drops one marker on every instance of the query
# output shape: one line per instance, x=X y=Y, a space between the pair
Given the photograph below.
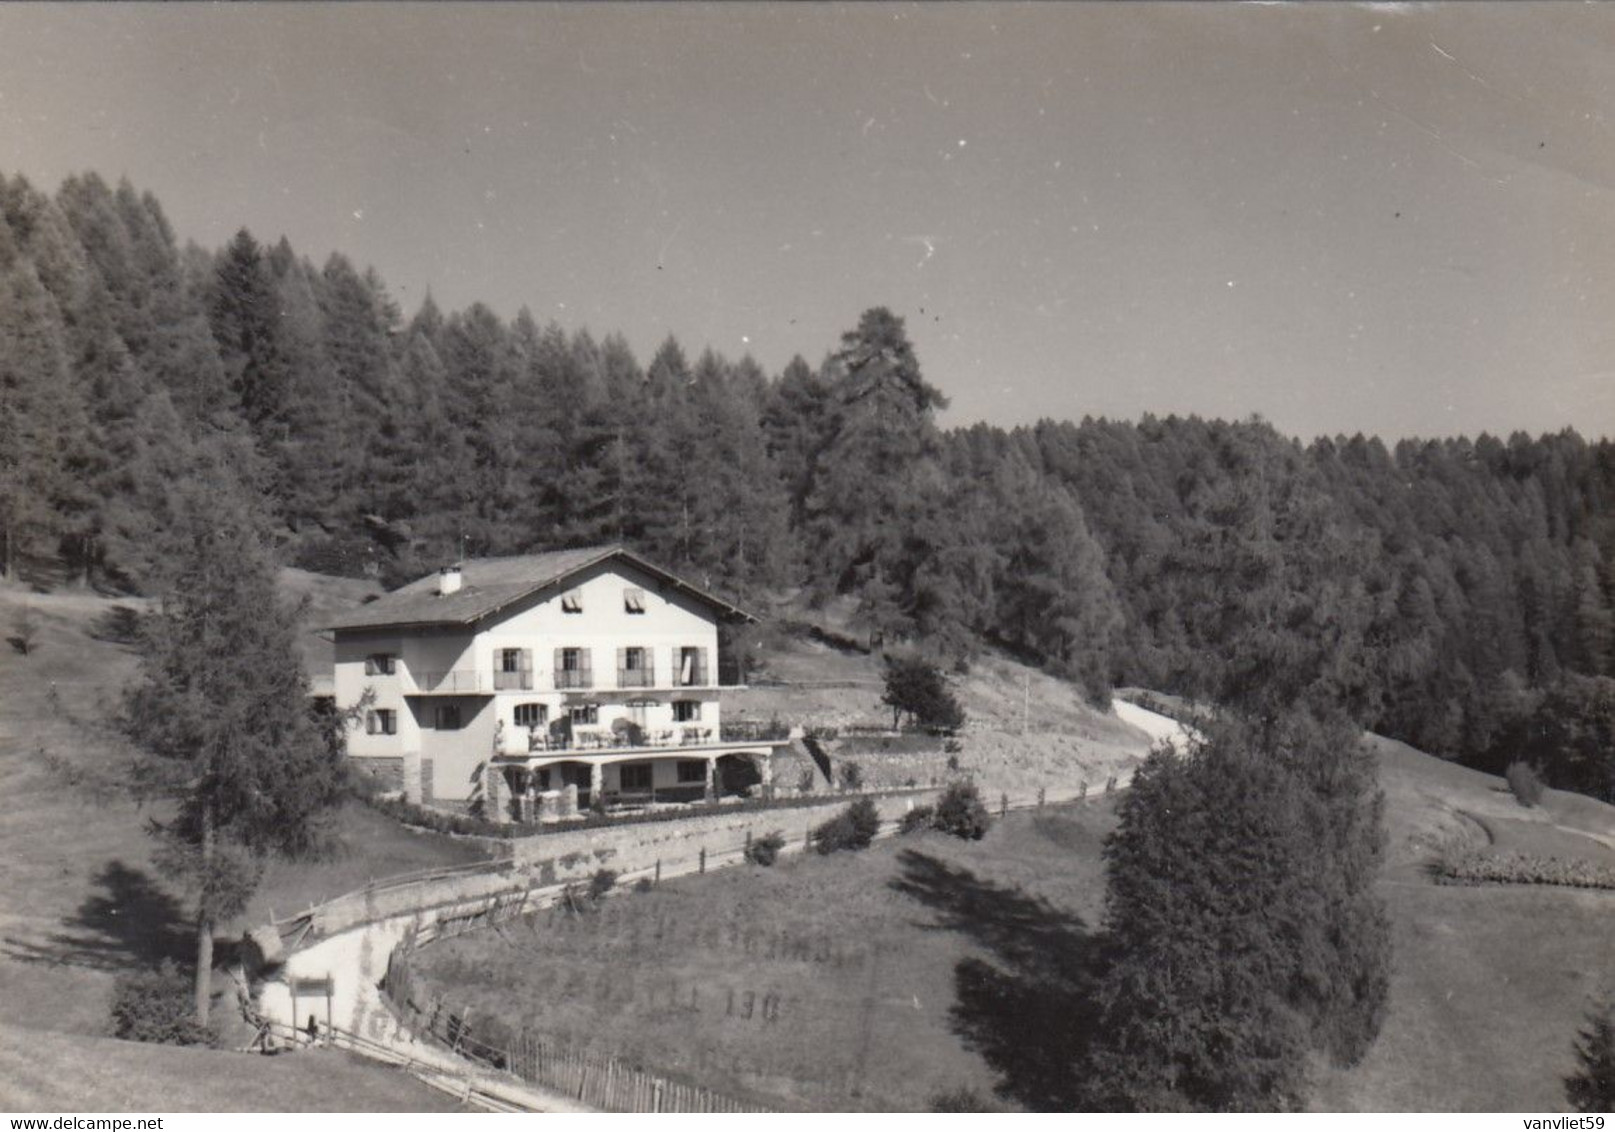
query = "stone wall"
x=577 y=854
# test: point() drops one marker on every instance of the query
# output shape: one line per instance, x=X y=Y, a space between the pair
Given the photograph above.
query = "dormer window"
x=633 y=600
x=572 y=601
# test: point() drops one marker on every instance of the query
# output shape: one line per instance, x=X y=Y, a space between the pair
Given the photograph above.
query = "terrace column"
x=496 y=794
x=712 y=775
x=765 y=770
x=597 y=784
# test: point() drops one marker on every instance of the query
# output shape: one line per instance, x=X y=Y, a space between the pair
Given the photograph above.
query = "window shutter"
x=370 y=722
x=622 y=659
x=585 y=660
x=524 y=660
x=560 y=659
x=369 y=666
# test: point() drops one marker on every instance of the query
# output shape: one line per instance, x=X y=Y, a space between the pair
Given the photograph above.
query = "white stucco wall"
x=540 y=625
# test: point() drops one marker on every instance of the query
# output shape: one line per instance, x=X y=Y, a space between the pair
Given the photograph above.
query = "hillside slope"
x=80 y=900
x=1489 y=983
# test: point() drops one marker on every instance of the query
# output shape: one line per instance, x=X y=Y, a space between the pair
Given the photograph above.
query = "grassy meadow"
x=824 y=983
x=877 y=980
x=80 y=899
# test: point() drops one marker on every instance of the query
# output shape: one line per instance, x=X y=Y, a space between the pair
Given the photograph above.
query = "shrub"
x=601 y=883
x=961 y=812
x=765 y=850
x=1522 y=868
x=852 y=776
x=962 y=1099
x=1523 y=780
x=917 y=819
x=157 y=1006
x=807 y=780
x=1591 y=1088
x=852 y=829
x=917 y=689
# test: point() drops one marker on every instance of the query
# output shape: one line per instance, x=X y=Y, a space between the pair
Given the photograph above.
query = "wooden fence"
x=599 y=1081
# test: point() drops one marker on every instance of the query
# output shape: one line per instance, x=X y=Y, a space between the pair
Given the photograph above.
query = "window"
x=380 y=664
x=532 y=715
x=381 y=721
x=446 y=717
x=633 y=599
x=583 y=713
x=692 y=667
x=572 y=601
x=686 y=711
x=693 y=770
x=513 y=668
x=638 y=711
x=634 y=776
x=634 y=668
x=572 y=668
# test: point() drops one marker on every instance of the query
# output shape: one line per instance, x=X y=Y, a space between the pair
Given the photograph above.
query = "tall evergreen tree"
x=220 y=710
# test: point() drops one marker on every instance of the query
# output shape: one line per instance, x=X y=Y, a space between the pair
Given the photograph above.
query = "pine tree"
x=42 y=417
x=1592 y=1087
x=220 y=714
x=876 y=465
x=244 y=313
x=1241 y=919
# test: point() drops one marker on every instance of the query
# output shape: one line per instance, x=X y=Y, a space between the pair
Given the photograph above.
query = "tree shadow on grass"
x=126 y=923
x=1028 y=1007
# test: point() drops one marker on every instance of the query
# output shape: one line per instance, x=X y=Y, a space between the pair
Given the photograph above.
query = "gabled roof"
x=488 y=585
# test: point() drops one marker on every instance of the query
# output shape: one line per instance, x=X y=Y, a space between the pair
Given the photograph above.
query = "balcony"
x=455 y=682
x=518 y=741
x=513 y=681
x=636 y=677
x=574 y=678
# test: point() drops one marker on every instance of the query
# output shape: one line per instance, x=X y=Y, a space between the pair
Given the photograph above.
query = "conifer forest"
x=1454 y=592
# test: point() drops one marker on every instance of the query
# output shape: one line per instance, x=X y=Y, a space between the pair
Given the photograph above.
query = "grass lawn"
x=51 y=1072
x=825 y=983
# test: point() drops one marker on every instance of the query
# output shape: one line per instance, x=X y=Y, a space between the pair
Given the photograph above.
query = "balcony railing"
x=456 y=681
x=520 y=740
x=574 y=678
x=636 y=677
x=504 y=681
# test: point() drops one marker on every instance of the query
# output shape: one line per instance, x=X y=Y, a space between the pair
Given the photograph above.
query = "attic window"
x=633 y=600
x=572 y=601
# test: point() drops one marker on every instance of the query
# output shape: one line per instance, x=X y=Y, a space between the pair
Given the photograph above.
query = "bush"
x=1592 y=1087
x=852 y=829
x=765 y=850
x=852 y=776
x=962 y=1099
x=961 y=812
x=917 y=689
x=917 y=819
x=1522 y=868
x=157 y=1006
x=601 y=883
x=1523 y=780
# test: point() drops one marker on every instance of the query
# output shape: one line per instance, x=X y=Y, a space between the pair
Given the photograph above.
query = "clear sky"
x=1392 y=218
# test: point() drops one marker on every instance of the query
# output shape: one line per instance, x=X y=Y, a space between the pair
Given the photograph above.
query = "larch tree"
x=880 y=459
x=220 y=714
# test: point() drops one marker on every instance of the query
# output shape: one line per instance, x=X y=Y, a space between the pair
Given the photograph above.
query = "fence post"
x=658 y=871
x=1003 y=805
x=1040 y=796
x=703 y=858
